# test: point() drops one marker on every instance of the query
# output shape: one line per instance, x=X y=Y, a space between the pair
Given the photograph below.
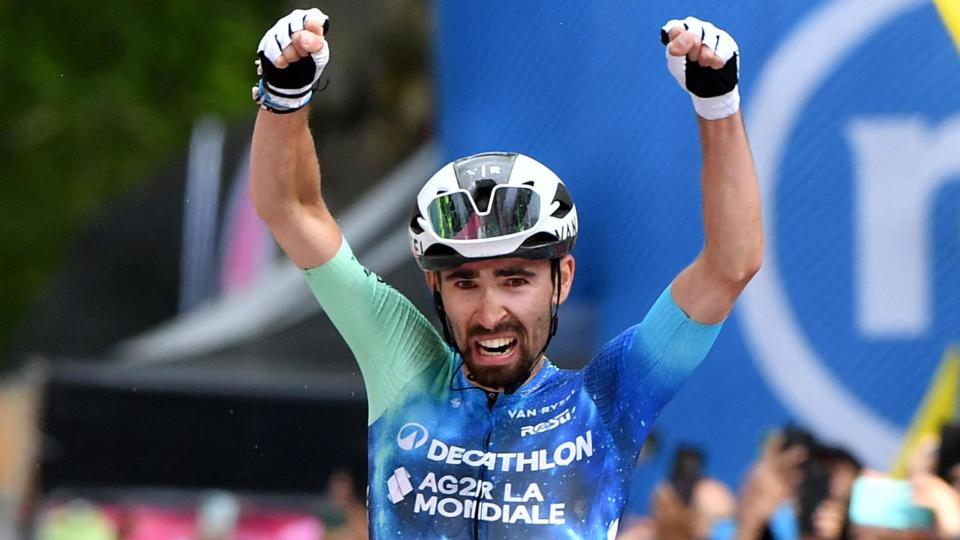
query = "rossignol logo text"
x=552 y=423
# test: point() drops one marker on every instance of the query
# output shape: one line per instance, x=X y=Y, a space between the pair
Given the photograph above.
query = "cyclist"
x=474 y=433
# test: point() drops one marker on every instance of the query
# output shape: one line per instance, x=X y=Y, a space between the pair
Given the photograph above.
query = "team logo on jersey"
x=398 y=485
x=412 y=435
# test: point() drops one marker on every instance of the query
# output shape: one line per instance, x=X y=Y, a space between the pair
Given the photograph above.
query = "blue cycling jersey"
x=552 y=460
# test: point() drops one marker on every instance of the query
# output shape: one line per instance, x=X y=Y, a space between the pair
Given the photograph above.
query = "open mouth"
x=496 y=346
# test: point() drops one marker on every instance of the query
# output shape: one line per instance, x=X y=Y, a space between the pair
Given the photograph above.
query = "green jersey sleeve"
x=391 y=339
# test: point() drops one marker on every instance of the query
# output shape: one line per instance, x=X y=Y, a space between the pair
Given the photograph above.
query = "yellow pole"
x=950 y=13
x=938 y=407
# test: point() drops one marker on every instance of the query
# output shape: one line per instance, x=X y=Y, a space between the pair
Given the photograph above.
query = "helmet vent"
x=415 y=220
x=528 y=183
x=564 y=200
x=539 y=239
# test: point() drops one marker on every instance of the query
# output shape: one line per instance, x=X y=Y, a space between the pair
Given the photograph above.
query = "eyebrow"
x=509 y=271
x=461 y=274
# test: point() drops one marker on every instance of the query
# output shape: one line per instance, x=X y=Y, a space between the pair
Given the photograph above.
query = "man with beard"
x=475 y=434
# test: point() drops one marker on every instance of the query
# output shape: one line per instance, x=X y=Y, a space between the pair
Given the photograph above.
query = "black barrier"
x=103 y=435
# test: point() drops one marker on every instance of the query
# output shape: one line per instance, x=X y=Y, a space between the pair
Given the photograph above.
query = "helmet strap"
x=556 y=277
x=442 y=315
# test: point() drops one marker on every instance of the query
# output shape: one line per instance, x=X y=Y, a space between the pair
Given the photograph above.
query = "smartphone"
x=688 y=463
x=814 y=485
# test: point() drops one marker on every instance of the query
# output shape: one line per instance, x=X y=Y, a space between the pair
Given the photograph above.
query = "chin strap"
x=442 y=315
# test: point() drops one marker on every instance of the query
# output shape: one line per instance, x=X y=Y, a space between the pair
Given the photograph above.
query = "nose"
x=491 y=310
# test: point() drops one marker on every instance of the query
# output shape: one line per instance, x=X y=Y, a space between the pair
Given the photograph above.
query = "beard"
x=509 y=376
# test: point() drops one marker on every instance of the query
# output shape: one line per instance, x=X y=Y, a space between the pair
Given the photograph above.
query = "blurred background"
x=164 y=370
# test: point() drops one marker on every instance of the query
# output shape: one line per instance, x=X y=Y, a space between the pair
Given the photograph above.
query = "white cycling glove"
x=714 y=91
x=286 y=90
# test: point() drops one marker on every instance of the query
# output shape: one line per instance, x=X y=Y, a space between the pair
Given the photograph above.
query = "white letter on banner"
x=901 y=164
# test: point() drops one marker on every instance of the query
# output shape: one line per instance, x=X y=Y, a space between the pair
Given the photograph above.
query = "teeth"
x=495 y=347
x=495 y=343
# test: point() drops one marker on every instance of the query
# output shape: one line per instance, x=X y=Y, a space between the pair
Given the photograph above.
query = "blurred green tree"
x=95 y=95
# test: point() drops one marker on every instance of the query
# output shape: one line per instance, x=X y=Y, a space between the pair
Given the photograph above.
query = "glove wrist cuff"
x=277 y=103
x=716 y=108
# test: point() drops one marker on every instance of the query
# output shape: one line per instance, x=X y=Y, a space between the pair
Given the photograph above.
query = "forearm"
x=284 y=171
x=285 y=188
x=732 y=217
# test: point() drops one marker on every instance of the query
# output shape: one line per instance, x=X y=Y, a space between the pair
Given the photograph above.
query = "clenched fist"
x=705 y=61
x=291 y=56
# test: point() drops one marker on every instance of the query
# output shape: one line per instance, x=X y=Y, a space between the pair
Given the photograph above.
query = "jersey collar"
x=542 y=377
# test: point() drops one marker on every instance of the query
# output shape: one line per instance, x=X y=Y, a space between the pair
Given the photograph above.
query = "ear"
x=567 y=268
x=431 y=279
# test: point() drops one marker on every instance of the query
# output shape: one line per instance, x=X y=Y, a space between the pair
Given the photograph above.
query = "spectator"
x=829 y=518
x=947 y=454
x=77 y=520
x=217 y=517
x=343 y=512
x=935 y=494
x=768 y=494
x=689 y=504
x=798 y=489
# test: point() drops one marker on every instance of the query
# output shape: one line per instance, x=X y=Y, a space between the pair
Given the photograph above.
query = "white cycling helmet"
x=492 y=205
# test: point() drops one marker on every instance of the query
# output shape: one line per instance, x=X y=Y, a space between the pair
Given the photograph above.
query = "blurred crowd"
x=338 y=514
x=799 y=488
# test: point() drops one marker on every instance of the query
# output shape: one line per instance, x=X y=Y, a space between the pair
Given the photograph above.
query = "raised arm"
x=285 y=187
x=284 y=170
x=733 y=229
x=733 y=248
